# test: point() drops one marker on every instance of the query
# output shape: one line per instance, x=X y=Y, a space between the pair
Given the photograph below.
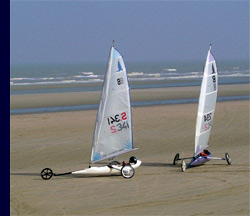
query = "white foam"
x=135 y=74
x=235 y=75
x=57 y=82
x=14 y=79
x=87 y=73
x=170 y=69
x=47 y=78
x=195 y=72
x=147 y=79
x=186 y=77
x=88 y=76
x=23 y=78
x=154 y=75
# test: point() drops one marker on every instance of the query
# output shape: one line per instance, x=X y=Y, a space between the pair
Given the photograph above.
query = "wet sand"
x=93 y=97
x=62 y=141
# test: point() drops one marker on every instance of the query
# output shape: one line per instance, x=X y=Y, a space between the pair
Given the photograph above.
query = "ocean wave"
x=153 y=75
x=147 y=79
x=196 y=72
x=87 y=73
x=32 y=79
x=23 y=78
x=57 y=82
x=14 y=79
x=136 y=74
x=234 y=75
x=48 y=78
x=170 y=69
x=186 y=77
x=87 y=77
x=84 y=77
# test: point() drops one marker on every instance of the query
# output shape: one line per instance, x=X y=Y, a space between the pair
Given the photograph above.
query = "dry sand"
x=62 y=141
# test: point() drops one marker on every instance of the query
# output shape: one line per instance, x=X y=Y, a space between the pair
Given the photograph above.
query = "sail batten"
x=113 y=130
x=207 y=102
x=211 y=93
x=114 y=155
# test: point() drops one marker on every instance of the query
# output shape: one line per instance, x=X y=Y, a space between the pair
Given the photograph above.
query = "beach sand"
x=62 y=141
x=93 y=97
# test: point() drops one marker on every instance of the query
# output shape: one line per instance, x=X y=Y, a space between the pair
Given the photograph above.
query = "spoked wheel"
x=127 y=171
x=228 y=159
x=176 y=158
x=46 y=173
x=183 y=166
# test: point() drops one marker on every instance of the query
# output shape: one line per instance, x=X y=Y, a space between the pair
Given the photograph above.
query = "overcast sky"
x=82 y=31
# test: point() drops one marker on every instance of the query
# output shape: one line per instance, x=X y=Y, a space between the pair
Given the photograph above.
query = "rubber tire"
x=228 y=159
x=183 y=166
x=46 y=173
x=124 y=174
x=175 y=161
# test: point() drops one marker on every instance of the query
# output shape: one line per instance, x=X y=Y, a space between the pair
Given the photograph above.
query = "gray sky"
x=82 y=31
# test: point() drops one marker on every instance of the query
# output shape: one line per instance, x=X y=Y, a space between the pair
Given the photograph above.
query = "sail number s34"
x=120 y=119
x=117 y=118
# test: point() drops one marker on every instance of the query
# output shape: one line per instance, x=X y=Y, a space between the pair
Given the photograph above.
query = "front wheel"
x=183 y=166
x=229 y=161
x=176 y=158
x=127 y=171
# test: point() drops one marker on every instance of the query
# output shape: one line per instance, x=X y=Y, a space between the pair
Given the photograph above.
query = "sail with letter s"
x=207 y=102
x=113 y=133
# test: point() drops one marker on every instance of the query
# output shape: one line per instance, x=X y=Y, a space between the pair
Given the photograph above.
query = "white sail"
x=207 y=102
x=113 y=130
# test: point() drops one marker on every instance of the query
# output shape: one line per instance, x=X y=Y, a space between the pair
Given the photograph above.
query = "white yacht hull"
x=103 y=170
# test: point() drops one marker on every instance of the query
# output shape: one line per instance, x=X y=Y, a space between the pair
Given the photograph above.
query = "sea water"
x=57 y=78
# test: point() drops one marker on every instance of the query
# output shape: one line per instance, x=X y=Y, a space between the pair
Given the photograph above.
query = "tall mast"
x=97 y=117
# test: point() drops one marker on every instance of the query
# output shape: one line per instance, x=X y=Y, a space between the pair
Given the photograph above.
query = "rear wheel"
x=176 y=158
x=229 y=161
x=46 y=173
x=127 y=171
x=183 y=166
